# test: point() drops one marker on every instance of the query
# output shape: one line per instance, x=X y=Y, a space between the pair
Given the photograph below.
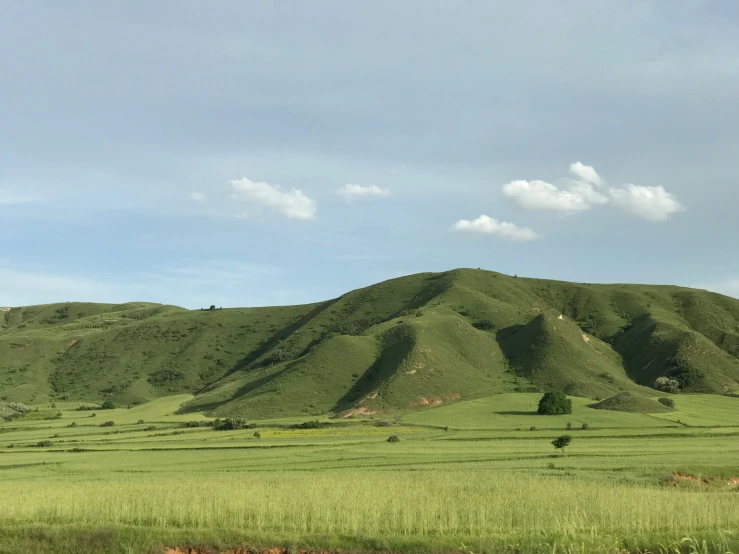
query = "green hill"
x=413 y=342
x=630 y=402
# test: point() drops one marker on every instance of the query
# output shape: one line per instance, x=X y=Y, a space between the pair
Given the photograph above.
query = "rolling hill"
x=412 y=342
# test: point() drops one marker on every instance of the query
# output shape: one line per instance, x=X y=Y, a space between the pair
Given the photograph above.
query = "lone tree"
x=666 y=384
x=560 y=443
x=555 y=403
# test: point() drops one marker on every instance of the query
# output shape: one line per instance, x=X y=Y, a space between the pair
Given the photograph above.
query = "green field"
x=472 y=476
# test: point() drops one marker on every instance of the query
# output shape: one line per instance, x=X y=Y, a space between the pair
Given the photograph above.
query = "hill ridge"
x=462 y=334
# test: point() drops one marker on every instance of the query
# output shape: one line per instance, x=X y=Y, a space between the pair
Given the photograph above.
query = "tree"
x=555 y=403
x=257 y=435
x=393 y=438
x=560 y=443
x=666 y=384
x=108 y=405
x=212 y=306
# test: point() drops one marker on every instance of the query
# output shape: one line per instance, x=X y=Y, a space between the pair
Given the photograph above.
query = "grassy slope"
x=408 y=342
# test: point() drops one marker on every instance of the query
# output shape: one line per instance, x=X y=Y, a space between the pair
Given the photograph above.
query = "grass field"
x=487 y=483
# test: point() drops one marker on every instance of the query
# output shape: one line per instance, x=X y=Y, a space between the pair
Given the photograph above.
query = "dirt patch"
x=561 y=316
x=683 y=477
x=585 y=337
x=411 y=372
x=359 y=411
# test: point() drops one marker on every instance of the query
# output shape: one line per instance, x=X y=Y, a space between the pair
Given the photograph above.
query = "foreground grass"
x=486 y=484
x=431 y=509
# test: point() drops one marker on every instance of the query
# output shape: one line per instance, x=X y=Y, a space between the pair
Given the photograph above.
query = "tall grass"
x=460 y=504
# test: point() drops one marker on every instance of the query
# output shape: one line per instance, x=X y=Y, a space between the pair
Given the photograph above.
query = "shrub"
x=560 y=443
x=44 y=444
x=393 y=438
x=229 y=424
x=310 y=425
x=665 y=384
x=257 y=435
x=150 y=428
x=669 y=402
x=107 y=424
x=585 y=426
x=165 y=377
x=532 y=428
x=140 y=422
x=383 y=424
x=483 y=325
x=212 y=307
x=19 y=407
x=73 y=424
x=107 y=405
x=569 y=426
x=555 y=403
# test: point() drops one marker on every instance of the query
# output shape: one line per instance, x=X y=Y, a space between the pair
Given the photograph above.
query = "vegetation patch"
x=629 y=402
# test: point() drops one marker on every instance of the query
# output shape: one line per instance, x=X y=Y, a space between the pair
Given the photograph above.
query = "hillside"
x=412 y=342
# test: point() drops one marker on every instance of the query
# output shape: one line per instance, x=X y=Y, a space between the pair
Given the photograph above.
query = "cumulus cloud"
x=652 y=203
x=589 y=189
x=586 y=173
x=485 y=225
x=197 y=196
x=540 y=195
x=292 y=204
x=355 y=192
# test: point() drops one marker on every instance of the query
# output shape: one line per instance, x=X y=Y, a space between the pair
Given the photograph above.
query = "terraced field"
x=479 y=473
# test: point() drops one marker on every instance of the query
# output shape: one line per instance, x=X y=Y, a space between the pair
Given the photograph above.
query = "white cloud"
x=292 y=204
x=485 y=225
x=354 y=192
x=586 y=173
x=652 y=203
x=540 y=195
x=197 y=196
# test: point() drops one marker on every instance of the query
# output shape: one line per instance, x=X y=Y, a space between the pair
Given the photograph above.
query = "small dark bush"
x=393 y=438
x=77 y=449
x=483 y=325
x=310 y=425
x=107 y=424
x=73 y=424
x=532 y=428
x=150 y=428
x=669 y=402
x=383 y=424
x=257 y=435
x=165 y=377
x=555 y=403
x=560 y=443
x=44 y=444
x=140 y=422
x=585 y=426
x=229 y=424
x=107 y=405
x=569 y=426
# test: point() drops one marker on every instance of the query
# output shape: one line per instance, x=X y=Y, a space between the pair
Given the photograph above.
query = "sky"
x=264 y=153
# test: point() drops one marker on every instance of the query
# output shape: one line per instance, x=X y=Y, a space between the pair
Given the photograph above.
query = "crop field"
x=476 y=476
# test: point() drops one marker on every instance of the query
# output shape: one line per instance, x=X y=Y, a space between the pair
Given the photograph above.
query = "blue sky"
x=245 y=153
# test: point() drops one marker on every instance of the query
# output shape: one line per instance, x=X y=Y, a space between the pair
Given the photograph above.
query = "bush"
x=669 y=402
x=150 y=428
x=569 y=426
x=310 y=425
x=257 y=435
x=393 y=438
x=383 y=424
x=44 y=444
x=19 y=407
x=585 y=426
x=483 y=325
x=665 y=384
x=140 y=422
x=560 y=443
x=107 y=424
x=73 y=424
x=165 y=377
x=107 y=405
x=555 y=403
x=229 y=424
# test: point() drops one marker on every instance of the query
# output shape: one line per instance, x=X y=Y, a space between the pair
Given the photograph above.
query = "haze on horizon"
x=246 y=154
